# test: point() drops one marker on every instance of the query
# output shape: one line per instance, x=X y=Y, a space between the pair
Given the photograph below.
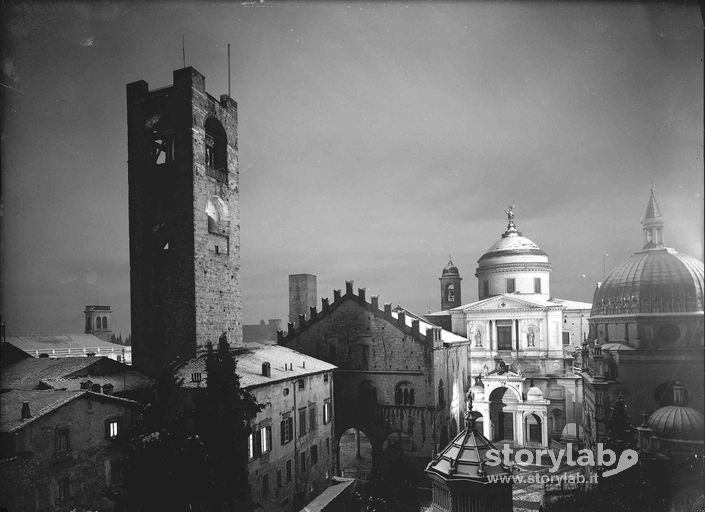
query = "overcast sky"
x=375 y=141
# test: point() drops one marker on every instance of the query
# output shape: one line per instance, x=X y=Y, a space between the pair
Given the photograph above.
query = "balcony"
x=220 y=175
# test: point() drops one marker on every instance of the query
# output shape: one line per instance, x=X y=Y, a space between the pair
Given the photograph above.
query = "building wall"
x=184 y=294
x=302 y=296
x=377 y=354
x=282 y=398
x=575 y=324
x=30 y=480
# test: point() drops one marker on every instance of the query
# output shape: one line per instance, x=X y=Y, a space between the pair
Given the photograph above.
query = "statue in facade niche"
x=530 y=337
x=478 y=338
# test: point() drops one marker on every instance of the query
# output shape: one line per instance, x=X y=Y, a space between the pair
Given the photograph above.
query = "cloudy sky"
x=375 y=141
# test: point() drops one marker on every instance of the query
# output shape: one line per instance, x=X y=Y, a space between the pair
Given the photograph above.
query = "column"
x=519 y=428
x=544 y=429
x=357 y=444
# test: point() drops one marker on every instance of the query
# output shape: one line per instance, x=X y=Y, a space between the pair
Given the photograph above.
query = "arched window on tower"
x=88 y=323
x=216 y=151
x=105 y=322
x=98 y=323
x=451 y=293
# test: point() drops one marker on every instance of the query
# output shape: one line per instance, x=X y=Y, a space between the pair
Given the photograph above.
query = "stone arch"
x=216 y=145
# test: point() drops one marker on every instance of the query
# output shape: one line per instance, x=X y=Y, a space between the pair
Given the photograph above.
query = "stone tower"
x=184 y=220
x=302 y=296
x=98 y=321
x=450 y=287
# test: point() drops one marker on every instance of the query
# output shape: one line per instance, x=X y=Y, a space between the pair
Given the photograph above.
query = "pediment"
x=503 y=303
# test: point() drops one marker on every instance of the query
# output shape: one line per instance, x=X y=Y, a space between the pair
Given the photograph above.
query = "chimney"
x=303 y=364
x=26 y=414
x=336 y=295
x=388 y=311
x=361 y=295
x=266 y=369
x=291 y=328
x=312 y=312
x=324 y=304
x=280 y=337
x=108 y=389
x=302 y=320
x=402 y=319
x=415 y=326
x=348 y=287
x=375 y=302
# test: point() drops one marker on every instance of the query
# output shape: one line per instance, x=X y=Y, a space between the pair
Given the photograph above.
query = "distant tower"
x=302 y=296
x=184 y=220
x=450 y=286
x=653 y=224
x=98 y=321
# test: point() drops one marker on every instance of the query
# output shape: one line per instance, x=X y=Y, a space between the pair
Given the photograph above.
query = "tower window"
x=485 y=288
x=451 y=293
x=163 y=148
x=216 y=151
x=511 y=285
x=537 y=285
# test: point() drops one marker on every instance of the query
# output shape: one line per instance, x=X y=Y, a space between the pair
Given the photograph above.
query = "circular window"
x=668 y=334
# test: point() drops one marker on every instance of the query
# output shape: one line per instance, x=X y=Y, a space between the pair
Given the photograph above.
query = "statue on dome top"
x=510 y=217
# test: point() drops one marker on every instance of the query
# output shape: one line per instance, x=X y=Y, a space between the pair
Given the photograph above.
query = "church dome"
x=654 y=280
x=657 y=280
x=677 y=422
x=512 y=244
x=450 y=269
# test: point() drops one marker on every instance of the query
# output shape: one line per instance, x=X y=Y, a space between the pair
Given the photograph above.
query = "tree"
x=224 y=418
x=189 y=450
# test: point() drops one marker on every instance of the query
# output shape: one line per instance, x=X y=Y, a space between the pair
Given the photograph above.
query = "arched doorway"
x=502 y=410
x=354 y=454
x=532 y=429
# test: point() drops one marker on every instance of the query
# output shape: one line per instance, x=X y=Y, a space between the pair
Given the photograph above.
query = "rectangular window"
x=365 y=356
x=325 y=377
x=312 y=417
x=326 y=411
x=328 y=445
x=64 y=489
x=302 y=422
x=251 y=446
x=485 y=288
x=504 y=337
x=537 y=285
x=314 y=454
x=287 y=428
x=566 y=338
x=266 y=439
x=303 y=462
x=301 y=383
x=61 y=441
x=511 y=285
x=288 y=470
x=279 y=478
x=112 y=428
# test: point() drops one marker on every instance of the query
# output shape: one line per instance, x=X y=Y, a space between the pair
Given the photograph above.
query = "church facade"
x=522 y=345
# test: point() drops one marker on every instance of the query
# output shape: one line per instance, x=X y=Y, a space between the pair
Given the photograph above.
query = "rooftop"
x=62 y=341
x=41 y=403
x=249 y=365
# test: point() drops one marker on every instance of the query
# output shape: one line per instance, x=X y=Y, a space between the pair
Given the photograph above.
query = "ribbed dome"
x=450 y=269
x=512 y=244
x=655 y=280
x=677 y=422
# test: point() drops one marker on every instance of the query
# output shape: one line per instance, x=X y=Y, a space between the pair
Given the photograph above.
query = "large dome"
x=512 y=244
x=677 y=422
x=655 y=280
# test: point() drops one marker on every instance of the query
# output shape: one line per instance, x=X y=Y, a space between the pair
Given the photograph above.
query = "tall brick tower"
x=184 y=220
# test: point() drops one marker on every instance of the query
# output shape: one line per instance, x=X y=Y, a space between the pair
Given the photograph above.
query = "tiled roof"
x=126 y=381
x=41 y=403
x=27 y=374
x=249 y=365
x=572 y=304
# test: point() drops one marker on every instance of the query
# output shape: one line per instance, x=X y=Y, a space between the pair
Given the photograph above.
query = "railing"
x=218 y=174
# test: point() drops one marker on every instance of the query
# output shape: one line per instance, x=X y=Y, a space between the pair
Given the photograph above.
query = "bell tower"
x=450 y=286
x=184 y=216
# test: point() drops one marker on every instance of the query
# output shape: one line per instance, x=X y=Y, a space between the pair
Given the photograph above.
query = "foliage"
x=391 y=489
x=189 y=450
